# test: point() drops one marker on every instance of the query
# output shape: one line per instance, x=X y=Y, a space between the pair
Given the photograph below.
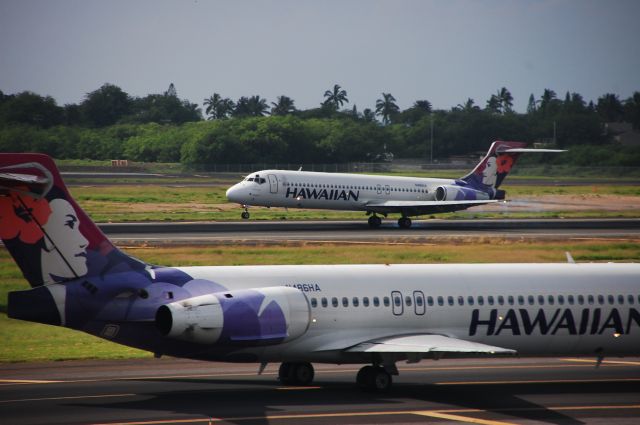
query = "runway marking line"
x=608 y=362
x=451 y=414
x=549 y=381
x=68 y=397
x=26 y=381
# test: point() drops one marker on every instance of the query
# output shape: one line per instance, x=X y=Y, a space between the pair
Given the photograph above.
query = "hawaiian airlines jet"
x=408 y=196
x=376 y=315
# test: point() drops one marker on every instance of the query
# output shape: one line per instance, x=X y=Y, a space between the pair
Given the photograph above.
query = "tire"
x=364 y=379
x=245 y=215
x=302 y=373
x=375 y=221
x=404 y=222
x=284 y=373
x=381 y=380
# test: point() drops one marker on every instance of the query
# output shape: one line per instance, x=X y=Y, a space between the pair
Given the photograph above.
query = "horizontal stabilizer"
x=34 y=185
x=426 y=344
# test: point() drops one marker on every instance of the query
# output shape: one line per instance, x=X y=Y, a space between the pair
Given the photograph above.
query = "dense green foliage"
x=109 y=123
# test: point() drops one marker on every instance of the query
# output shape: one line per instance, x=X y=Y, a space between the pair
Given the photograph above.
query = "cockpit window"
x=256 y=179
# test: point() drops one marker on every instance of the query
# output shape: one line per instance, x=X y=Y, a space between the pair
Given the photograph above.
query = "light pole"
x=431 y=120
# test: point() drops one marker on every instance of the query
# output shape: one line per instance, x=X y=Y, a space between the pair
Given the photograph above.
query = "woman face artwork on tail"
x=489 y=174
x=64 y=254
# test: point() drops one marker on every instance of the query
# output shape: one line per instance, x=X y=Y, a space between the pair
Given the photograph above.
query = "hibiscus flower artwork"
x=23 y=216
x=504 y=162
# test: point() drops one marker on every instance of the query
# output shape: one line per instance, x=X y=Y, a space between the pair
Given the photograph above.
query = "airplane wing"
x=423 y=207
x=426 y=344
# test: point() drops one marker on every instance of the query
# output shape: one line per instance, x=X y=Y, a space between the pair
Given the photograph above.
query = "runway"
x=170 y=391
x=359 y=232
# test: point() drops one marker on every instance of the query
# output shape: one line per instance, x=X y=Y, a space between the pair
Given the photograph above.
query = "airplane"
x=372 y=315
x=375 y=194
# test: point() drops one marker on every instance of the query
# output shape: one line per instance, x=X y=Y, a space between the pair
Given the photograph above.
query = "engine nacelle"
x=259 y=316
x=459 y=193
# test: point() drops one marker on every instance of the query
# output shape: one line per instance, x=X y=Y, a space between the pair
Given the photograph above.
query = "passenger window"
x=345 y=302
x=610 y=299
x=334 y=302
x=470 y=300
x=314 y=302
x=550 y=300
x=376 y=301
x=490 y=300
x=510 y=299
x=480 y=300
x=450 y=300
x=520 y=300
x=324 y=302
x=581 y=299
x=430 y=301
x=460 y=300
x=355 y=301
x=600 y=299
x=397 y=301
x=419 y=301
x=386 y=301
x=541 y=299
x=500 y=300
x=570 y=299
x=630 y=299
x=407 y=301
x=365 y=301
x=440 y=301
x=620 y=299
x=560 y=299
x=590 y=299
x=531 y=299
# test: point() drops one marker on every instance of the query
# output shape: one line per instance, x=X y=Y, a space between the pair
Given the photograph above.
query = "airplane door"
x=396 y=303
x=418 y=302
x=273 y=183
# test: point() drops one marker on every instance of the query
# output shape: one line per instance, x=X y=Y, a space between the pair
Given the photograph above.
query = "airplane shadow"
x=251 y=401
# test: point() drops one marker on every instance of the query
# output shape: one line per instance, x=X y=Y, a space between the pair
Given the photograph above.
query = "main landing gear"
x=295 y=373
x=371 y=378
x=404 y=222
x=375 y=221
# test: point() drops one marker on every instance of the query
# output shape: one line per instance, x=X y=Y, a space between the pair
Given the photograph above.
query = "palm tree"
x=468 y=106
x=284 y=106
x=217 y=107
x=386 y=107
x=258 y=106
x=506 y=100
x=532 y=106
x=547 y=99
x=335 y=98
x=494 y=105
x=368 y=115
x=423 y=105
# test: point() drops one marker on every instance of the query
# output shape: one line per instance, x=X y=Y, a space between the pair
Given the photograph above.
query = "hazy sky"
x=443 y=51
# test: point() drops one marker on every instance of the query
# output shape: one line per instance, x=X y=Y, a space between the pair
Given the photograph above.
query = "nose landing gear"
x=245 y=214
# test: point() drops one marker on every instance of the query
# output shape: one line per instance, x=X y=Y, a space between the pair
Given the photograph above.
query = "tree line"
x=109 y=123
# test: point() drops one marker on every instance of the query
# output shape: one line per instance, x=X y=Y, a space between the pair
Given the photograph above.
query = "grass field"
x=24 y=341
x=154 y=202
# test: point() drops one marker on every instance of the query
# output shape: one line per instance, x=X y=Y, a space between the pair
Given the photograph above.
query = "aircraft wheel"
x=375 y=221
x=302 y=373
x=374 y=378
x=364 y=379
x=404 y=222
x=284 y=373
x=295 y=373
x=245 y=215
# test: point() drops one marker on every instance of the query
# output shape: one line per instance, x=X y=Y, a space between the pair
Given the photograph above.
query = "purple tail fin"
x=49 y=236
x=490 y=172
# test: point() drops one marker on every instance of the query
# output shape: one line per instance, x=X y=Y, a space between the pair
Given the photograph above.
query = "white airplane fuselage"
x=337 y=191
x=534 y=309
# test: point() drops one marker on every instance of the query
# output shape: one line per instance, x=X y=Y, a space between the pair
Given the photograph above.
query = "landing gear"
x=374 y=378
x=295 y=373
x=375 y=221
x=245 y=214
x=404 y=222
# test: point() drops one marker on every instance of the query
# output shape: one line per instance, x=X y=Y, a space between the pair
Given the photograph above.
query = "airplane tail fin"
x=49 y=236
x=491 y=171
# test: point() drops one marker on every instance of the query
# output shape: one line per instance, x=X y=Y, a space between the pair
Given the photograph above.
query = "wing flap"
x=427 y=344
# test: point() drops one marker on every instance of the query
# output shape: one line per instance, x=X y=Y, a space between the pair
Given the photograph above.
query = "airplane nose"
x=232 y=193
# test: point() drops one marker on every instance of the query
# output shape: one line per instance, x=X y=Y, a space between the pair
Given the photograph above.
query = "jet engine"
x=459 y=193
x=259 y=316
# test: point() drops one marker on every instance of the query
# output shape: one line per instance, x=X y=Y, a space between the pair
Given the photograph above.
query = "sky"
x=441 y=51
